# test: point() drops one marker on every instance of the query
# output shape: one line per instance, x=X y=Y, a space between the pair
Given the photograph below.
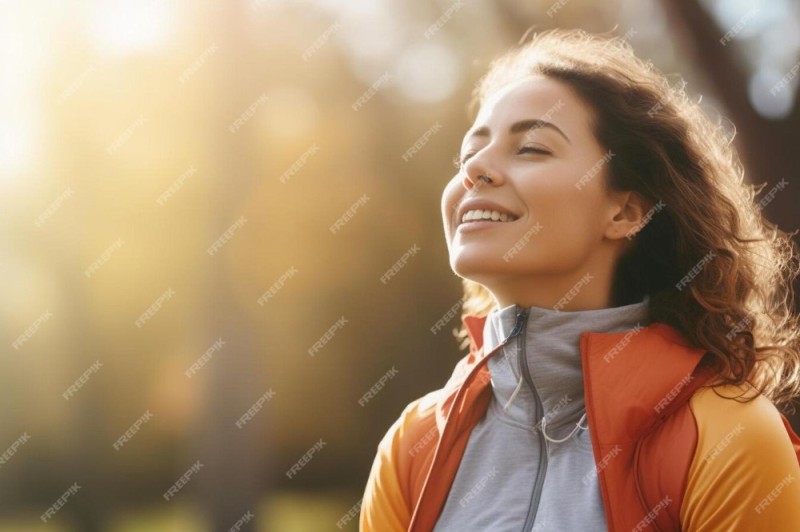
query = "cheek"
x=557 y=201
x=570 y=221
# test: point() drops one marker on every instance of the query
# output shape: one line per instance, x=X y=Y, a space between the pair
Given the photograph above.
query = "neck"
x=585 y=289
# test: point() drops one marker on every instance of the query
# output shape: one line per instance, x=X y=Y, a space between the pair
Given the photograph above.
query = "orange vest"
x=640 y=389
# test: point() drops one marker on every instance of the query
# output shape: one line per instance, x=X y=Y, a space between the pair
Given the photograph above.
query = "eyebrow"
x=522 y=125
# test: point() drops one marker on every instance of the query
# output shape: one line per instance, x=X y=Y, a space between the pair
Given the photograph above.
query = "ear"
x=628 y=215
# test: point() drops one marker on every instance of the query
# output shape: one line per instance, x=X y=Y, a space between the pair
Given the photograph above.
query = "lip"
x=468 y=227
x=482 y=204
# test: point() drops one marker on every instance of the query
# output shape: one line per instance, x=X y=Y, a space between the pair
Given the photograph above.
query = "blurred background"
x=204 y=206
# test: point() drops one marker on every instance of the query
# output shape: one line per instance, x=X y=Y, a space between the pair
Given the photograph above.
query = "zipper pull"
x=521 y=315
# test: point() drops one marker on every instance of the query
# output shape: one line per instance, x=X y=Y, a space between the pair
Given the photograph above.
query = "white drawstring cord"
x=514 y=394
x=519 y=385
x=578 y=426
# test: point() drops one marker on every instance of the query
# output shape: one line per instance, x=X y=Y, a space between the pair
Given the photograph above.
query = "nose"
x=478 y=173
x=474 y=185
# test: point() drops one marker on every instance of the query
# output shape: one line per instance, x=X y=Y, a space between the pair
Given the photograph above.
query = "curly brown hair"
x=714 y=268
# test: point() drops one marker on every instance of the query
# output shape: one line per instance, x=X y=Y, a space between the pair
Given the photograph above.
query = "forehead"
x=534 y=97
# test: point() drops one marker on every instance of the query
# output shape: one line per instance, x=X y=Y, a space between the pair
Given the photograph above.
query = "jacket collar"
x=632 y=378
x=474 y=325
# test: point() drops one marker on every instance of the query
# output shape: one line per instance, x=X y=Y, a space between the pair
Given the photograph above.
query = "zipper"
x=448 y=425
x=536 y=495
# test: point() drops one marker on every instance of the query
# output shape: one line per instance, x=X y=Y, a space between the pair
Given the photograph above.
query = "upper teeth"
x=486 y=215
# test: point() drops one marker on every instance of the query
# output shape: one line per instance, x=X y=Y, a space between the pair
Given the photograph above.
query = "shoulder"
x=419 y=423
x=402 y=454
x=421 y=419
x=745 y=472
x=739 y=416
x=413 y=424
x=409 y=439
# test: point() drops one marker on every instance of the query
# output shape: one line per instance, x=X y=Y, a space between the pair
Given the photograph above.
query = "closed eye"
x=533 y=149
x=459 y=163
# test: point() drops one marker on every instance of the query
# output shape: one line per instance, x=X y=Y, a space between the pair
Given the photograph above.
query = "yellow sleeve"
x=383 y=507
x=745 y=473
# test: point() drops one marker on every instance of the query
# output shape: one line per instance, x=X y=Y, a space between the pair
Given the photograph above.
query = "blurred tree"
x=233 y=458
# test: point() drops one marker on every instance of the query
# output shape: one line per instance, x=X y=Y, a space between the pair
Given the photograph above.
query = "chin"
x=477 y=266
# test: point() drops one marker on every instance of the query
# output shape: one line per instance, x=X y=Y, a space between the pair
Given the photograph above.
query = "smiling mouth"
x=479 y=215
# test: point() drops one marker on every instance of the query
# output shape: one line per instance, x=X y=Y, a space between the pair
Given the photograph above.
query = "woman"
x=628 y=313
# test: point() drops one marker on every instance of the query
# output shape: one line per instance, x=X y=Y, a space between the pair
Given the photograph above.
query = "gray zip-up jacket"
x=511 y=477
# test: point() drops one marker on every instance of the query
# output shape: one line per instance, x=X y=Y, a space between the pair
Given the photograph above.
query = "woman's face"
x=548 y=175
